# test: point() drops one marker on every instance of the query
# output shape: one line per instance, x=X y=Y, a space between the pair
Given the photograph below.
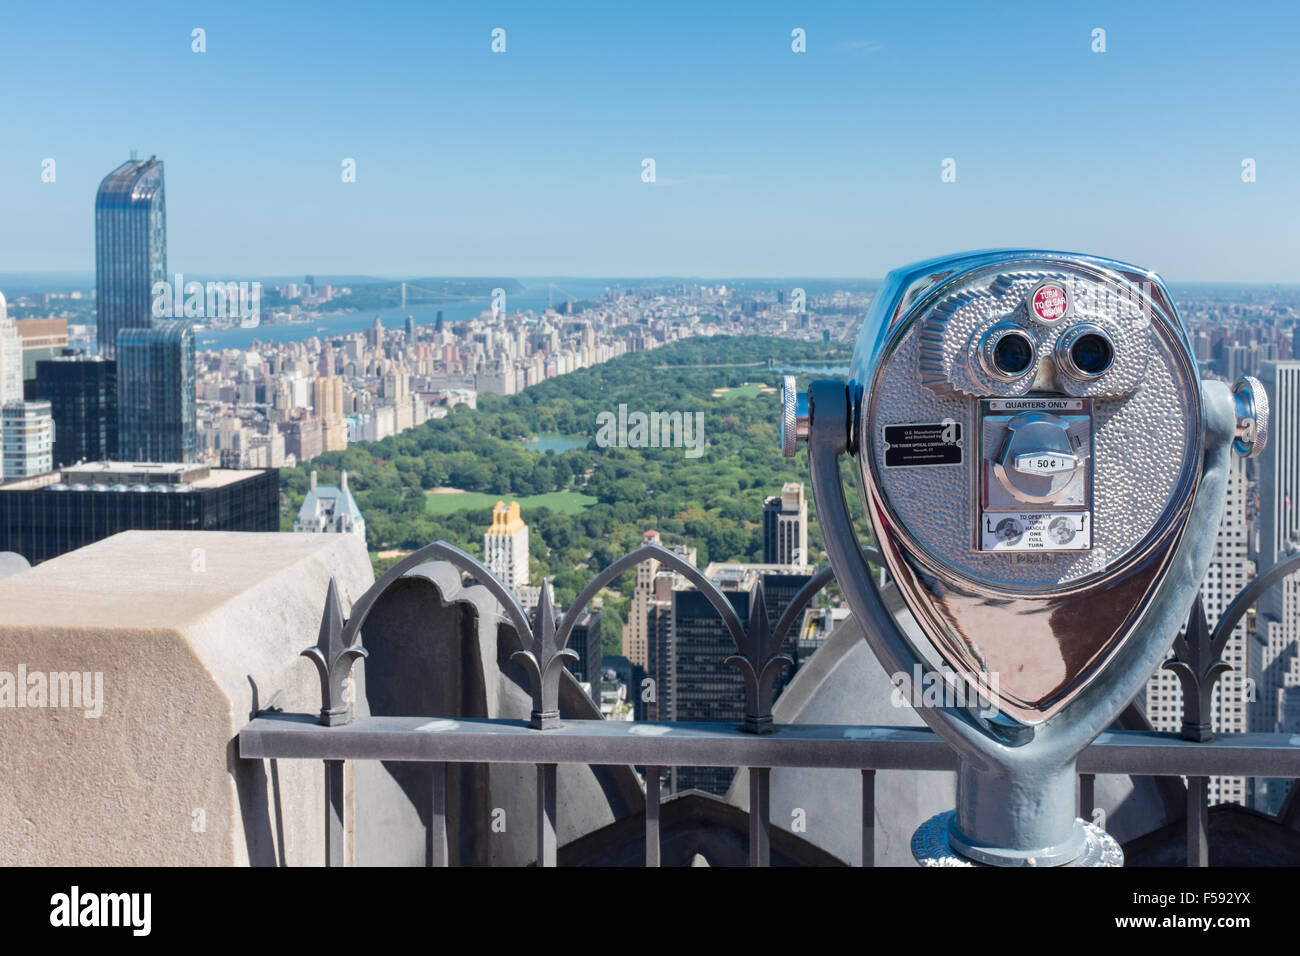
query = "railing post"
x=546 y=814
x=1198 y=821
x=438 y=855
x=652 y=816
x=334 y=849
x=1087 y=795
x=760 y=824
x=868 y=817
x=334 y=655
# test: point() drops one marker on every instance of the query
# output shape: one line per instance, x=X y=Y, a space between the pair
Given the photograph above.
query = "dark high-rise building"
x=130 y=248
x=705 y=687
x=51 y=514
x=82 y=392
x=157 y=405
x=585 y=640
x=785 y=526
x=687 y=655
x=410 y=330
x=661 y=662
x=780 y=587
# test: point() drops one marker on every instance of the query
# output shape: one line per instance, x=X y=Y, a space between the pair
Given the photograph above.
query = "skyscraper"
x=705 y=687
x=130 y=248
x=635 y=647
x=1276 y=649
x=785 y=526
x=584 y=640
x=82 y=392
x=505 y=546
x=1279 y=467
x=11 y=357
x=327 y=402
x=648 y=588
x=157 y=407
x=26 y=439
x=660 y=651
x=1230 y=570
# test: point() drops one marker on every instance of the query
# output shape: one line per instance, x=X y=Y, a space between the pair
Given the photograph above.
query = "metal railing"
x=757 y=744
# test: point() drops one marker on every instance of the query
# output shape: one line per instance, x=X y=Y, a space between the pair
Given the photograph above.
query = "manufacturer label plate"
x=910 y=446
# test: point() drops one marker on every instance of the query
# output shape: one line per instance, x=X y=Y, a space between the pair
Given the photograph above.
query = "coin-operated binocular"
x=1045 y=474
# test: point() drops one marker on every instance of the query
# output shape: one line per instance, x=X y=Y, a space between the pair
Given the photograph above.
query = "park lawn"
x=748 y=390
x=561 y=502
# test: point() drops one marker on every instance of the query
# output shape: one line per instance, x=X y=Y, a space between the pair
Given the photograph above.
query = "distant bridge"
x=433 y=294
x=412 y=291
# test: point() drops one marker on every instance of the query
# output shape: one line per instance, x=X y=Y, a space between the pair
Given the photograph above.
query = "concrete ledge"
x=188 y=634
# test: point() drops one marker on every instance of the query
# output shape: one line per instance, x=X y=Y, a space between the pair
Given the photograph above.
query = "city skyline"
x=768 y=162
x=566 y=365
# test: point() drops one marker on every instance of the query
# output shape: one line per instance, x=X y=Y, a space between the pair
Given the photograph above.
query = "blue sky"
x=769 y=163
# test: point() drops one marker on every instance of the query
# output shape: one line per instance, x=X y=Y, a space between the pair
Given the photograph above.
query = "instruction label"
x=1036 y=531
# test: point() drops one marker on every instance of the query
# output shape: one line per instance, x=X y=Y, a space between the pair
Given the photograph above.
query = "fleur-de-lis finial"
x=542 y=660
x=759 y=664
x=1198 y=666
x=333 y=661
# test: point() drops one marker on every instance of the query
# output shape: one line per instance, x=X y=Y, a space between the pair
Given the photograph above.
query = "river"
x=534 y=298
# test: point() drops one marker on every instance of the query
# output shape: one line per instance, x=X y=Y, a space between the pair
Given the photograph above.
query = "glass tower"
x=130 y=247
x=82 y=392
x=157 y=408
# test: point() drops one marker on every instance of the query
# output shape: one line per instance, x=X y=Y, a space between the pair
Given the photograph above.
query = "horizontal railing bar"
x=613 y=742
x=597 y=742
x=1147 y=753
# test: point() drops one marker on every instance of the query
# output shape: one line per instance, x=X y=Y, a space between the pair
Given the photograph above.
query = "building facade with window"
x=130 y=248
x=157 y=416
